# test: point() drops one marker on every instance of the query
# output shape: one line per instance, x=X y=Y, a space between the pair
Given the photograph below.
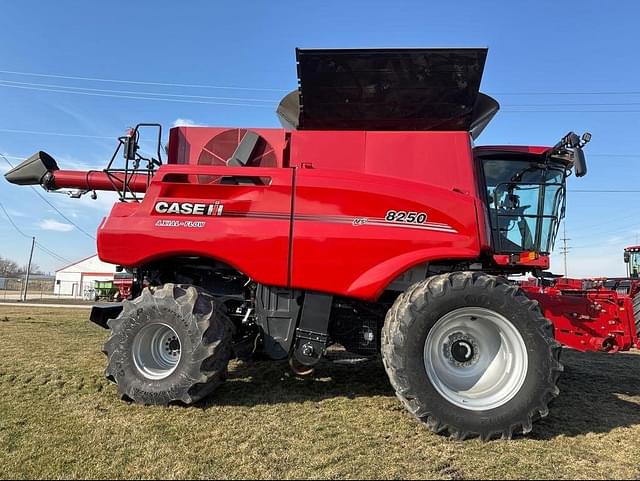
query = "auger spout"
x=42 y=169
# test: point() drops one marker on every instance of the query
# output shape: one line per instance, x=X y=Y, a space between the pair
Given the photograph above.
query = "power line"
x=604 y=191
x=564 y=250
x=62 y=215
x=263 y=89
x=609 y=221
x=60 y=134
x=600 y=244
x=613 y=155
x=572 y=111
x=135 y=97
x=42 y=247
x=141 y=82
x=241 y=99
x=603 y=92
x=235 y=104
x=573 y=104
x=53 y=206
x=52 y=254
x=13 y=223
x=38 y=244
x=136 y=92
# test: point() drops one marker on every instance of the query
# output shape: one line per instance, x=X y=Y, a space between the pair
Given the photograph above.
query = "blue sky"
x=587 y=50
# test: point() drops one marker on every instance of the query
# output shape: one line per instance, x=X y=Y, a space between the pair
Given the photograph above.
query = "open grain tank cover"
x=388 y=89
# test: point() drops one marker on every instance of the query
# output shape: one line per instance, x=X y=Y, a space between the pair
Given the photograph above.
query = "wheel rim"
x=475 y=358
x=156 y=351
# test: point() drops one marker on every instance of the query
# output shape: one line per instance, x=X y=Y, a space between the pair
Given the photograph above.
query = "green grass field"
x=60 y=419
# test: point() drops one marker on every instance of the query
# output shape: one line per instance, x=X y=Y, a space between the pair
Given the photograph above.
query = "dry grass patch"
x=59 y=418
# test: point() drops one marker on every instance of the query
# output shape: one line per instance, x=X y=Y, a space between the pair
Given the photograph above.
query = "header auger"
x=370 y=221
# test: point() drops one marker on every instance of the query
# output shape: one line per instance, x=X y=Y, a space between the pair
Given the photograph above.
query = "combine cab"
x=370 y=220
x=632 y=259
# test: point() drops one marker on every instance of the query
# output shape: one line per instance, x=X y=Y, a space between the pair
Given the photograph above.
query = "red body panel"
x=441 y=159
x=342 y=244
x=131 y=236
x=333 y=193
x=343 y=212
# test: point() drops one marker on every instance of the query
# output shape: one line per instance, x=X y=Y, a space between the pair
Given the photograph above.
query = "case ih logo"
x=189 y=208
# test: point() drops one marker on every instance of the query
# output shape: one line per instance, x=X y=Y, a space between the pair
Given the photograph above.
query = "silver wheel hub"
x=462 y=350
x=156 y=351
x=475 y=358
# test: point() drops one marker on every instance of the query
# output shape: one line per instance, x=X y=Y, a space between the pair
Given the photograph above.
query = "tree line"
x=10 y=268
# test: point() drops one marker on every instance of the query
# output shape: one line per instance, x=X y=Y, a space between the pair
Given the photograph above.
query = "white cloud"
x=180 y=122
x=50 y=224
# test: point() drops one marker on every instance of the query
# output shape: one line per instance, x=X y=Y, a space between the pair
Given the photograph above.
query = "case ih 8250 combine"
x=371 y=220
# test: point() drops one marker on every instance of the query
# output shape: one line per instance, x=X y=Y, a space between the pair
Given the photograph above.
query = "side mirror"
x=579 y=162
x=627 y=257
x=130 y=147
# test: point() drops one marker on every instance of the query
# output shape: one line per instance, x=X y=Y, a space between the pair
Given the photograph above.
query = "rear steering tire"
x=172 y=344
x=471 y=355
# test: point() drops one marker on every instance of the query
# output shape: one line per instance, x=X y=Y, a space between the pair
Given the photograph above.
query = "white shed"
x=77 y=279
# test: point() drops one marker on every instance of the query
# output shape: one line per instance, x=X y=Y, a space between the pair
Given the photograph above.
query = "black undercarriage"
x=282 y=323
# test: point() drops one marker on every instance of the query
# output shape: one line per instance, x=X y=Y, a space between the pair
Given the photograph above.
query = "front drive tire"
x=172 y=344
x=470 y=354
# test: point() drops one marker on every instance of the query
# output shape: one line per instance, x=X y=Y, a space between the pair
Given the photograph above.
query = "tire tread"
x=397 y=327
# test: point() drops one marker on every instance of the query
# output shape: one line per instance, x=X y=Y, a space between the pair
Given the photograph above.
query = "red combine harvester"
x=370 y=220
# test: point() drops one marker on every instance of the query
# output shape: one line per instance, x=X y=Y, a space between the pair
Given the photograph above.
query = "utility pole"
x=564 y=250
x=26 y=282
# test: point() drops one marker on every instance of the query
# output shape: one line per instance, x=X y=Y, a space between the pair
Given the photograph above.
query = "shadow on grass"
x=592 y=399
x=595 y=395
x=266 y=382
